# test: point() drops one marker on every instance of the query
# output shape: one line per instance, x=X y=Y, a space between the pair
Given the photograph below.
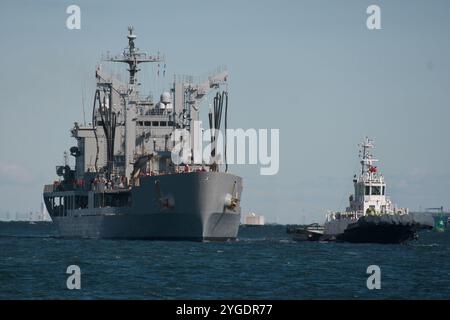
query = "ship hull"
x=150 y=227
x=383 y=234
x=197 y=211
x=384 y=229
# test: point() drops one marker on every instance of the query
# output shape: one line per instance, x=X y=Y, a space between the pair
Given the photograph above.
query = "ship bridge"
x=370 y=194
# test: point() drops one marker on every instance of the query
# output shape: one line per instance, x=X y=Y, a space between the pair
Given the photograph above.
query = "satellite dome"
x=166 y=98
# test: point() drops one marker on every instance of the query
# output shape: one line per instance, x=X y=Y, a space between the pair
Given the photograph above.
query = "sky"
x=311 y=69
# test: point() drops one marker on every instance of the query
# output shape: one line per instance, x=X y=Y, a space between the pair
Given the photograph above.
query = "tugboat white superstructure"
x=371 y=216
x=125 y=184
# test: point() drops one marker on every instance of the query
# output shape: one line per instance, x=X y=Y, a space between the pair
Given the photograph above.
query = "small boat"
x=439 y=224
x=311 y=232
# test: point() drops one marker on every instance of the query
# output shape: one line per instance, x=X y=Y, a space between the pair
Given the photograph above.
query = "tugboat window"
x=376 y=190
x=367 y=190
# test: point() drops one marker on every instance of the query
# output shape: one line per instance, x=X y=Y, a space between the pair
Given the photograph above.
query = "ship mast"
x=133 y=57
x=367 y=159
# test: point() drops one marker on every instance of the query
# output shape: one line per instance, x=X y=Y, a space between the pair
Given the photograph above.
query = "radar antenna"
x=133 y=57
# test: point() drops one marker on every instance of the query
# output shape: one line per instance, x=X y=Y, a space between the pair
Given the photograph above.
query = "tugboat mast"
x=366 y=157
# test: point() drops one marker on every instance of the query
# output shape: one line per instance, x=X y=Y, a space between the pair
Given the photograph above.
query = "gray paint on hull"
x=152 y=226
x=199 y=211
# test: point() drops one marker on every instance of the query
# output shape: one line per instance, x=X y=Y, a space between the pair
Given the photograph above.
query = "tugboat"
x=371 y=216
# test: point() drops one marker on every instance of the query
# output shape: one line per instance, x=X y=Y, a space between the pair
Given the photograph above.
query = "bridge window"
x=367 y=190
x=376 y=190
x=147 y=123
x=163 y=123
x=155 y=123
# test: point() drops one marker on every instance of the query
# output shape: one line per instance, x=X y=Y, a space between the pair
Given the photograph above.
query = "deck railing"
x=48 y=188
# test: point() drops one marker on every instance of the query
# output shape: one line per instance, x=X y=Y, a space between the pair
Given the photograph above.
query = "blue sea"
x=264 y=263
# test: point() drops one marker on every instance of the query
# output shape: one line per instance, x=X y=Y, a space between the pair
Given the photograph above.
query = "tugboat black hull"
x=382 y=229
x=385 y=234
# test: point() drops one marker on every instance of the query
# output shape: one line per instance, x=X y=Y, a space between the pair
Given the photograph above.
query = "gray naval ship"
x=125 y=184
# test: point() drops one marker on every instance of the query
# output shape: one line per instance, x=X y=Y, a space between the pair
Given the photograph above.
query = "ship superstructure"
x=125 y=183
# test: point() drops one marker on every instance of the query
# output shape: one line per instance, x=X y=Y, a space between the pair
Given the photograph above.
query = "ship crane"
x=196 y=95
x=187 y=106
x=198 y=92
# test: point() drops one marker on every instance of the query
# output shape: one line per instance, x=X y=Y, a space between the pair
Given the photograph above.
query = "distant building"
x=252 y=219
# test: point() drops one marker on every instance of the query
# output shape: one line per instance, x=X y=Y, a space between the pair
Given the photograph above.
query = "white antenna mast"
x=82 y=101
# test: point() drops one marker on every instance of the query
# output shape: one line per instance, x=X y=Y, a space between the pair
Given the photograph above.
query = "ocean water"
x=263 y=264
